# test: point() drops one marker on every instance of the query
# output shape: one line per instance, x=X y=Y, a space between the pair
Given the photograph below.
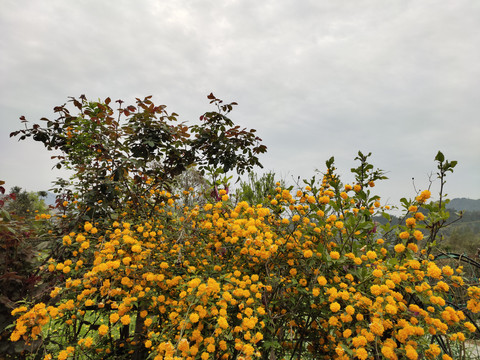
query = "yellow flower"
x=88 y=342
x=417 y=234
x=114 y=318
x=419 y=216
x=335 y=307
x=335 y=255
x=308 y=253
x=358 y=341
x=183 y=345
x=222 y=322
x=399 y=248
x=194 y=317
x=248 y=350
x=377 y=273
x=410 y=222
x=434 y=271
x=413 y=247
x=404 y=235
x=362 y=353
x=15 y=336
x=388 y=352
x=53 y=294
x=470 y=326
x=67 y=240
x=411 y=352
x=391 y=309
x=321 y=280
x=376 y=328
x=103 y=330
x=350 y=310
x=424 y=196
x=136 y=248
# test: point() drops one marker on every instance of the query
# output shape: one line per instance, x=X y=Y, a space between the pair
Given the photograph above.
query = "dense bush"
x=24 y=243
x=306 y=274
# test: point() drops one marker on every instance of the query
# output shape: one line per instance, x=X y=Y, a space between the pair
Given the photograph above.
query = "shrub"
x=304 y=275
x=23 y=242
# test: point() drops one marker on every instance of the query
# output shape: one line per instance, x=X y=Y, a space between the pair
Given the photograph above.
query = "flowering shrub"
x=305 y=275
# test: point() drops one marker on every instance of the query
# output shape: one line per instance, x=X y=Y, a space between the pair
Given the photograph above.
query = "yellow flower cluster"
x=221 y=280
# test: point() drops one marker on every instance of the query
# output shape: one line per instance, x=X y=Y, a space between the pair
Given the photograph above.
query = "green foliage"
x=258 y=190
x=26 y=204
x=22 y=252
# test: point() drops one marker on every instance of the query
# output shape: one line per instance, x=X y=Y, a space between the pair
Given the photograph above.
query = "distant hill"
x=50 y=199
x=464 y=204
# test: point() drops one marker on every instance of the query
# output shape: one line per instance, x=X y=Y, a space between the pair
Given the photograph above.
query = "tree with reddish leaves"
x=119 y=155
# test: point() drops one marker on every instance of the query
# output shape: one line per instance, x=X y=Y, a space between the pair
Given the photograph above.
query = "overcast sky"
x=400 y=79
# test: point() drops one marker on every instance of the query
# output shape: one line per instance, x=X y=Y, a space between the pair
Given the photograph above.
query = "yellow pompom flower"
x=399 y=248
x=222 y=322
x=136 y=248
x=114 y=318
x=410 y=222
x=377 y=273
x=88 y=342
x=335 y=255
x=103 y=330
x=308 y=253
x=194 y=317
x=335 y=307
x=424 y=196
x=417 y=234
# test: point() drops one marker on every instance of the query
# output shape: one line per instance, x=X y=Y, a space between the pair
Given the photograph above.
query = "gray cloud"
x=316 y=78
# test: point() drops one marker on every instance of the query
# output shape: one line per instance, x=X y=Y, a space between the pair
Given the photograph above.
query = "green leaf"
x=440 y=157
